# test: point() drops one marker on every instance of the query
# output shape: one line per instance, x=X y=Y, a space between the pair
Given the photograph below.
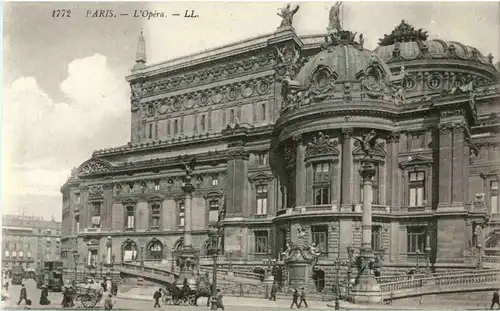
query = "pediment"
x=94 y=166
x=154 y=197
x=262 y=177
x=415 y=161
x=214 y=194
x=129 y=201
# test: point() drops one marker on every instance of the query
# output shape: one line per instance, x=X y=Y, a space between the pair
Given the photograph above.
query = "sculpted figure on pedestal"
x=287 y=14
x=334 y=17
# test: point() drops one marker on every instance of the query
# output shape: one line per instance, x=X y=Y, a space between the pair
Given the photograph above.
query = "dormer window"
x=322 y=79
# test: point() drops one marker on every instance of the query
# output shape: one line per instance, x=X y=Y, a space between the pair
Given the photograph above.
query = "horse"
x=203 y=289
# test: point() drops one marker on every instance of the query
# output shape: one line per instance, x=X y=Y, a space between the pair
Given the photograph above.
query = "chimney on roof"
x=140 y=56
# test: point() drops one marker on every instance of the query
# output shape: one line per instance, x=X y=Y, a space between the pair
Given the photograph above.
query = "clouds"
x=44 y=139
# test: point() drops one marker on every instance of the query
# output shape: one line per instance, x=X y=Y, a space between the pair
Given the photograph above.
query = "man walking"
x=274 y=289
x=302 y=297
x=156 y=297
x=220 y=304
x=295 y=298
x=495 y=300
x=109 y=303
x=23 y=295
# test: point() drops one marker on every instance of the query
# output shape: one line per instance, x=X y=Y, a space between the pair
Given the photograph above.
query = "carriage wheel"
x=88 y=302
x=192 y=301
x=176 y=301
x=185 y=301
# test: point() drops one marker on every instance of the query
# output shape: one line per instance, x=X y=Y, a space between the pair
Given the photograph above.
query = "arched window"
x=179 y=245
x=129 y=251
x=155 y=250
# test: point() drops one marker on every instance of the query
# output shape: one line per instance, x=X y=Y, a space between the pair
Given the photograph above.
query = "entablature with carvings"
x=219 y=72
x=232 y=94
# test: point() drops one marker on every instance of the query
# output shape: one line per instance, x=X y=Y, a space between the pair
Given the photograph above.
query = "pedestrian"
x=23 y=295
x=65 y=302
x=108 y=303
x=71 y=294
x=6 y=285
x=274 y=289
x=495 y=300
x=302 y=297
x=220 y=304
x=156 y=297
x=295 y=298
x=44 y=296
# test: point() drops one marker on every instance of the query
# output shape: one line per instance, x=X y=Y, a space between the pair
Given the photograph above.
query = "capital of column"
x=393 y=137
x=188 y=187
x=367 y=170
x=239 y=154
x=347 y=132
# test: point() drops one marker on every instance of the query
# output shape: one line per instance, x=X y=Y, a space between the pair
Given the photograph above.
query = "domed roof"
x=406 y=44
x=343 y=56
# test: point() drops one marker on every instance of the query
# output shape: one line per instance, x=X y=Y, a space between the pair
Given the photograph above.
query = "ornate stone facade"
x=277 y=130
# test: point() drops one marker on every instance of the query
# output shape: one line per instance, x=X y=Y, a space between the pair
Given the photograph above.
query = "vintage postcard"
x=251 y=155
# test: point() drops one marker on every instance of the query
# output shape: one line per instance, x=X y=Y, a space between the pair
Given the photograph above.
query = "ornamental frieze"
x=322 y=144
x=95 y=191
x=199 y=99
x=92 y=167
x=151 y=88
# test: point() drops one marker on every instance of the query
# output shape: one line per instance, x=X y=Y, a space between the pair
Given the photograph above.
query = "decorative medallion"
x=177 y=104
x=217 y=98
x=204 y=100
x=189 y=103
x=263 y=87
x=163 y=108
x=434 y=82
x=247 y=91
x=409 y=83
x=150 y=110
x=232 y=94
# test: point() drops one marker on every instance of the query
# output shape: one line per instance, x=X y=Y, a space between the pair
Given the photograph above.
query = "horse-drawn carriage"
x=186 y=295
x=88 y=295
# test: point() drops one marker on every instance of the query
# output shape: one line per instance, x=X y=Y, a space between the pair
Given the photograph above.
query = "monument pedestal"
x=367 y=291
x=300 y=275
x=187 y=263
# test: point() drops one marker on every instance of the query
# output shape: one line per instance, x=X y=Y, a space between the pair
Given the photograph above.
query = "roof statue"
x=286 y=15
x=334 y=22
x=403 y=33
x=368 y=142
x=140 y=56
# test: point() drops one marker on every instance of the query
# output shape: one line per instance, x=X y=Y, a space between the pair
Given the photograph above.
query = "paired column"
x=188 y=201
x=346 y=170
x=300 y=172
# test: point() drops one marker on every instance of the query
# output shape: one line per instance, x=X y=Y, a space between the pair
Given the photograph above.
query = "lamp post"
x=428 y=259
x=76 y=256
x=337 y=284
x=418 y=257
x=214 y=236
x=269 y=277
x=230 y=261
x=350 y=254
x=479 y=255
x=142 y=255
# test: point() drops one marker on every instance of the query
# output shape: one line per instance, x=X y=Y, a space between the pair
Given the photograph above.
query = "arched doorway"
x=319 y=279
x=129 y=251
x=155 y=250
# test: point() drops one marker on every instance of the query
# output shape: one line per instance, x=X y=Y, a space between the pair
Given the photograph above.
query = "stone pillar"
x=445 y=175
x=367 y=290
x=108 y=251
x=107 y=206
x=346 y=170
x=458 y=163
x=300 y=172
x=237 y=183
x=188 y=253
x=392 y=171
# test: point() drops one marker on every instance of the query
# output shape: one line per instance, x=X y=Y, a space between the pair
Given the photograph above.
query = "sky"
x=64 y=89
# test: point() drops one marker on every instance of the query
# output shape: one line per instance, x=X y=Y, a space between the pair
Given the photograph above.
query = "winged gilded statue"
x=188 y=167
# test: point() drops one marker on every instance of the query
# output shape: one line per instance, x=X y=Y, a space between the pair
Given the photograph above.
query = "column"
x=108 y=251
x=188 y=202
x=367 y=290
x=392 y=171
x=107 y=206
x=346 y=196
x=445 y=175
x=300 y=172
x=237 y=183
x=458 y=163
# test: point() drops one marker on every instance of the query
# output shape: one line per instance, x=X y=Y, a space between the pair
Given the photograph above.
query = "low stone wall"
x=481 y=299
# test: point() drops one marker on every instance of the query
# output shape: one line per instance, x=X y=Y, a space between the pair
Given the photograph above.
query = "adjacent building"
x=29 y=241
x=273 y=123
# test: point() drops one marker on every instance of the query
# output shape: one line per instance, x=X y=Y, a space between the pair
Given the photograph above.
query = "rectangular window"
x=261 y=242
x=263 y=111
x=168 y=127
x=195 y=123
x=77 y=198
x=416 y=189
x=150 y=132
x=155 y=216
x=77 y=223
x=130 y=220
x=261 y=200
x=202 y=123
x=180 y=221
x=96 y=215
x=321 y=183
x=213 y=212
x=320 y=237
x=157 y=185
x=231 y=116
x=176 y=127
x=215 y=180
x=494 y=197
x=415 y=238
x=182 y=125
x=376 y=238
